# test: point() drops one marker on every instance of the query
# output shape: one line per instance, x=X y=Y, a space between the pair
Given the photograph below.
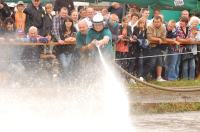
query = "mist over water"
x=93 y=100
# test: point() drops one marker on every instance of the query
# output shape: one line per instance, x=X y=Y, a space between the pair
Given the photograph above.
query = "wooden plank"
x=14 y=43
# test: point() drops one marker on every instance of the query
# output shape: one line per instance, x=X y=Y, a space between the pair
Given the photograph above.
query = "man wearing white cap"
x=100 y=36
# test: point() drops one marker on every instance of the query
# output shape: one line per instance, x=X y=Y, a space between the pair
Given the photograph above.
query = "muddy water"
x=171 y=122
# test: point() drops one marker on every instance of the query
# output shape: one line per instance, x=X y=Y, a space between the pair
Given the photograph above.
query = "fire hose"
x=172 y=89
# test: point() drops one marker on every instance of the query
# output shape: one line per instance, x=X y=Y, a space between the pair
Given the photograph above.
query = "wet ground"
x=150 y=95
x=169 y=122
x=18 y=105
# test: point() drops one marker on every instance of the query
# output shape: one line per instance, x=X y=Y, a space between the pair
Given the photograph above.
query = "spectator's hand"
x=90 y=46
x=70 y=39
x=1 y=6
x=99 y=44
x=61 y=42
x=160 y=41
x=190 y=40
x=121 y=36
x=177 y=43
x=134 y=37
x=49 y=37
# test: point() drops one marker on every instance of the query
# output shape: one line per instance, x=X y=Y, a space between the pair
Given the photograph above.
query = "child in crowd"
x=20 y=17
x=47 y=27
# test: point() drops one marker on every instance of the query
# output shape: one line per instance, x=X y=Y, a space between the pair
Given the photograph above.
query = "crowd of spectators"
x=155 y=48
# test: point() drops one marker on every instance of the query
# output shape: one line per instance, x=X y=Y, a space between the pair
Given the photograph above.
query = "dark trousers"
x=123 y=63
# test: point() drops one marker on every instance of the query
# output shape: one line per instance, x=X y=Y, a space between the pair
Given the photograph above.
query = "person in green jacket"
x=99 y=36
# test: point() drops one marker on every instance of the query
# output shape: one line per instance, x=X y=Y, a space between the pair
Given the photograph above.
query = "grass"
x=165 y=107
x=140 y=108
x=180 y=83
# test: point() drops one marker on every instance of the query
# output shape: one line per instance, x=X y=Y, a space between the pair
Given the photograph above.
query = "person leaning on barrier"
x=31 y=54
x=81 y=39
x=156 y=32
x=100 y=36
x=58 y=22
x=124 y=41
x=68 y=35
x=141 y=50
x=61 y=33
x=189 y=33
x=172 y=62
x=187 y=61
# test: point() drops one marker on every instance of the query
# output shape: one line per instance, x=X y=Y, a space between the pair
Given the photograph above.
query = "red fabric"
x=121 y=46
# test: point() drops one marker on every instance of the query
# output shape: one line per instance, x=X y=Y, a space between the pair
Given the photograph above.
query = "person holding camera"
x=122 y=46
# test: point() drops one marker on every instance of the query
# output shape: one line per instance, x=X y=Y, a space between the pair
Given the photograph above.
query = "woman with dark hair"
x=65 y=52
x=69 y=29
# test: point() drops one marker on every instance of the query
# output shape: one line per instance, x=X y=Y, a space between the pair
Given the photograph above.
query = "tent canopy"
x=162 y=4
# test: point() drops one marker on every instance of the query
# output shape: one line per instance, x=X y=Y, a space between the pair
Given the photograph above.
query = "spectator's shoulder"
x=78 y=34
x=150 y=27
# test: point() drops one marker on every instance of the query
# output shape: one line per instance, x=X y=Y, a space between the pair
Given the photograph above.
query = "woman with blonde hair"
x=141 y=45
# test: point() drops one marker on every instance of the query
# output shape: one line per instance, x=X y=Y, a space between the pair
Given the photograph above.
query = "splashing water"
x=116 y=101
x=32 y=103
